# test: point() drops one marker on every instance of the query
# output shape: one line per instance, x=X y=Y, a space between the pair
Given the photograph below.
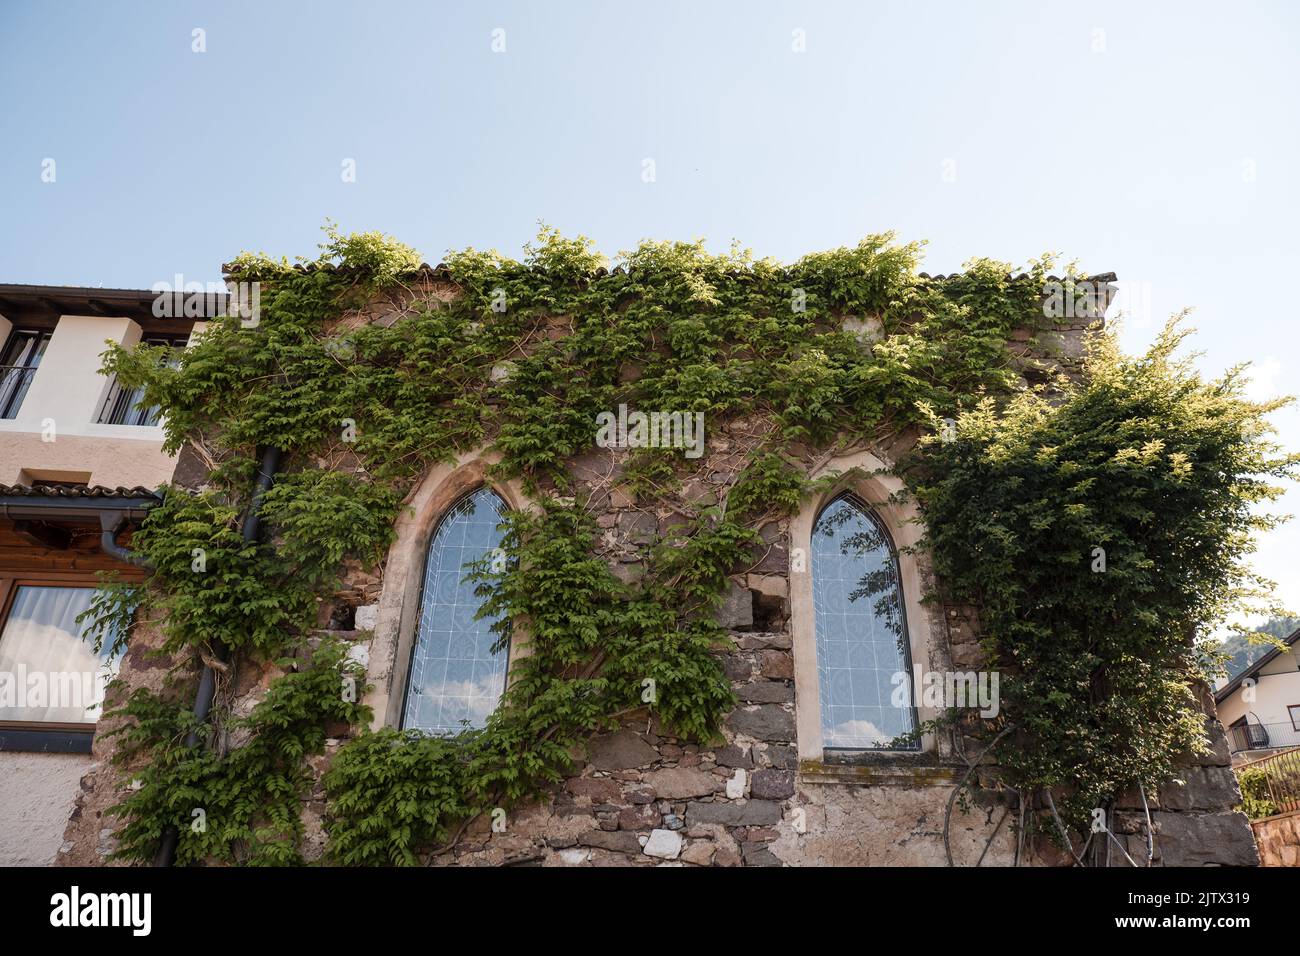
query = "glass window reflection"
x=455 y=680
x=861 y=629
x=49 y=670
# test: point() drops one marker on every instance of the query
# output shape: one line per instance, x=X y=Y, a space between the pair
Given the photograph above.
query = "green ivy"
x=1256 y=799
x=1099 y=534
x=238 y=806
x=1142 y=459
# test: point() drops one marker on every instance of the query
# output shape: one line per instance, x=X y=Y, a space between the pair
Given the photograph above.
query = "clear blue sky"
x=1157 y=140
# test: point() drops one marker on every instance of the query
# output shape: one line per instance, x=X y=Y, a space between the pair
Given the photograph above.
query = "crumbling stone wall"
x=88 y=837
x=640 y=796
x=1193 y=817
x=1278 y=838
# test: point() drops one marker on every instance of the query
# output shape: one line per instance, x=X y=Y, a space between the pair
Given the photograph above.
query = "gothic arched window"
x=863 y=654
x=455 y=680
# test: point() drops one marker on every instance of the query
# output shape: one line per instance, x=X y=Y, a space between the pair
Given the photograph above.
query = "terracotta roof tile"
x=77 y=491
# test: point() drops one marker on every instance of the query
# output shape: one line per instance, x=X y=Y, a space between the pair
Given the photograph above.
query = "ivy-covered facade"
x=729 y=634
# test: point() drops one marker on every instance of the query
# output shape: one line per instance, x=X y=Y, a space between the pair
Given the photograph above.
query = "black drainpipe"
x=208 y=678
x=111 y=525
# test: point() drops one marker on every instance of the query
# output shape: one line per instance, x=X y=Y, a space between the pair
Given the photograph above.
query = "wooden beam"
x=43 y=535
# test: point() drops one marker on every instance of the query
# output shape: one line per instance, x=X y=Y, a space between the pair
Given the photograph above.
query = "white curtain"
x=48 y=670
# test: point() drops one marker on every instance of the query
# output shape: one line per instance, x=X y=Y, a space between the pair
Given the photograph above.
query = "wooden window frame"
x=37 y=736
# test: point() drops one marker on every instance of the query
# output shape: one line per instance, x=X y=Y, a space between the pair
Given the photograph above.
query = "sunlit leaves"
x=1162 y=470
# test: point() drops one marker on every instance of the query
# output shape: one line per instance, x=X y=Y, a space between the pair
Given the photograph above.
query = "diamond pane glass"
x=455 y=679
x=861 y=631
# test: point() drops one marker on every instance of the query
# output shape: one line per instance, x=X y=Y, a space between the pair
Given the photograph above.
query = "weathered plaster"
x=36 y=795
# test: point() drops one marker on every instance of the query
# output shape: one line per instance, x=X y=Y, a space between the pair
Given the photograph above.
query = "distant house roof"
x=1226 y=691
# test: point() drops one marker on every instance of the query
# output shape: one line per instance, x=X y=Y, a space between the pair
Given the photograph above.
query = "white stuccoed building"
x=79 y=457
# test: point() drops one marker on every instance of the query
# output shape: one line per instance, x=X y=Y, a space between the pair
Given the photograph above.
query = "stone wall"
x=645 y=797
x=1193 y=817
x=641 y=796
x=88 y=836
x=1278 y=838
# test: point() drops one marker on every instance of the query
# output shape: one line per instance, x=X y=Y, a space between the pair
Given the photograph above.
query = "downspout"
x=208 y=678
x=111 y=525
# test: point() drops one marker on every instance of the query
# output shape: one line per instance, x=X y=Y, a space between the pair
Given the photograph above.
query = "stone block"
x=772 y=784
x=623 y=750
x=681 y=783
x=737 y=607
x=736 y=785
x=617 y=841
x=737 y=667
x=782 y=758
x=367 y=617
x=763 y=722
x=733 y=756
x=772 y=585
x=752 y=813
x=766 y=692
x=663 y=844
x=1204 y=788
x=758 y=855
x=700 y=854
x=598 y=789
x=1201 y=839
x=777 y=665
x=638 y=818
x=758 y=641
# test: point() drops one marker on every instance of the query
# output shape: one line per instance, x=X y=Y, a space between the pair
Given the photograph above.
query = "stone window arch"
x=874 y=502
x=391 y=655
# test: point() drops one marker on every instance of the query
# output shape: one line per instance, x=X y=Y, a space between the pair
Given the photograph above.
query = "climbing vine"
x=839 y=350
x=1100 y=534
x=232 y=804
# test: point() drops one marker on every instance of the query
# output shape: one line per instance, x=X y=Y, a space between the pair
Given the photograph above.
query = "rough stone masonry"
x=642 y=797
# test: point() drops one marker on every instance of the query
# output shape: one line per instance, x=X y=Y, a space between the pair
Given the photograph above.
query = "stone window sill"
x=880 y=769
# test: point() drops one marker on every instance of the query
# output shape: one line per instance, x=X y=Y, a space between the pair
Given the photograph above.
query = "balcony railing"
x=14 y=382
x=1263 y=737
x=1281 y=772
x=121 y=407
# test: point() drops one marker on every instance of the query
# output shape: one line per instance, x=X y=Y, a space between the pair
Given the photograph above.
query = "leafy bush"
x=1099 y=534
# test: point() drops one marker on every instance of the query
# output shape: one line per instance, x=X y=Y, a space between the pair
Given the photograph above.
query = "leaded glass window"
x=862 y=645
x=455 y=679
